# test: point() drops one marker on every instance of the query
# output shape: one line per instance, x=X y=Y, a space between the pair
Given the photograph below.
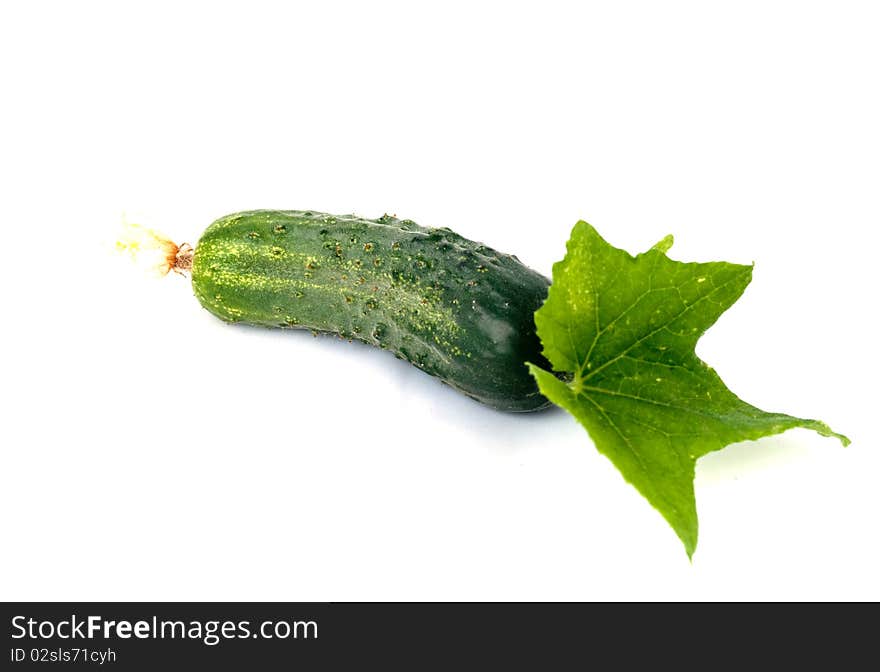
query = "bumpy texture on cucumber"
x=452 y=307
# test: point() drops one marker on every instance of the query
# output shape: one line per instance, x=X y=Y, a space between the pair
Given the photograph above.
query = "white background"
x=150 y=451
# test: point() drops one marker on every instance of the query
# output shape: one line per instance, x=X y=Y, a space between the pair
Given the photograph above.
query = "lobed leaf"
x=622 y=330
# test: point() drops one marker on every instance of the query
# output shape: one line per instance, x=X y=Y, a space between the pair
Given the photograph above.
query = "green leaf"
x=620 y=333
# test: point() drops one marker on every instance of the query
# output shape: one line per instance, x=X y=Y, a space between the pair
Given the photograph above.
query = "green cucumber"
x=454 y=308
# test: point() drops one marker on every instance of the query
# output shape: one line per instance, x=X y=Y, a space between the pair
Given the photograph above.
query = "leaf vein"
x=658 y=329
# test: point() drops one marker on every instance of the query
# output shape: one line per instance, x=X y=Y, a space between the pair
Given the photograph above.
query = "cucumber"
x=454 y=308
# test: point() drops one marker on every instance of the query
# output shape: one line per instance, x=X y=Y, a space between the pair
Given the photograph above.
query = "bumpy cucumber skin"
x=454 y=308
